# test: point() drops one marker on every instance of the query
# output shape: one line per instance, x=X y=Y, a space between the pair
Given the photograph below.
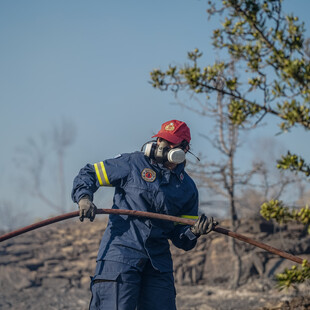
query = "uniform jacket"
x=143 y=185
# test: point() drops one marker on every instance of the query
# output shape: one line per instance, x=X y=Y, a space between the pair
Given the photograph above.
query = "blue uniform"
x=139 y=246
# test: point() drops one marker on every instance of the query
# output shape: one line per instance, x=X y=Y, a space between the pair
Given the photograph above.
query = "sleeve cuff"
x=188 y=233
x=81 y=195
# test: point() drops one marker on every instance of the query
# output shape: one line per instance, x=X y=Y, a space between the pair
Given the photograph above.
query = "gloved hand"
x=87 y=209
x=203 y=225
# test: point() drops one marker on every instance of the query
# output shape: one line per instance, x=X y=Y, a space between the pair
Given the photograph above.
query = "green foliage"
x=303 y=216
x=240 y=109
x=270 y=50
x=190 y=76
x=275 y=209
x=293 y=163
x=293 y=276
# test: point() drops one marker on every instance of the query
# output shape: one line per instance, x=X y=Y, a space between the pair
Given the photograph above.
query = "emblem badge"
x=181 y=176
x=148 y=175
x=170 y=127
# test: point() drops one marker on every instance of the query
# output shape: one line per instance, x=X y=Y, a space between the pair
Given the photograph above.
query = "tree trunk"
x=234 y=222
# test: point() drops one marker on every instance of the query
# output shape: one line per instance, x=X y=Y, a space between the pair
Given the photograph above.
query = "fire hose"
x=159 y=216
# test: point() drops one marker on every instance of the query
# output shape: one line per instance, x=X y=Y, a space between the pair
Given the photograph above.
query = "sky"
x=89 y=62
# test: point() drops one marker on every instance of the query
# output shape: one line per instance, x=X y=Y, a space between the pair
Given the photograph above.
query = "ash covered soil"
x=50 y=268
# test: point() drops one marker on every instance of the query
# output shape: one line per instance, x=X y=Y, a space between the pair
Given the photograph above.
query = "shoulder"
x=124 y=156
x=135 y=157
x=129 y=158
x=189 y=182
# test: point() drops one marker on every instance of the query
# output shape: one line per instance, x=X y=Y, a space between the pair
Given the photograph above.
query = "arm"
x=181 y=236
x=85 y=183
x=111 y=172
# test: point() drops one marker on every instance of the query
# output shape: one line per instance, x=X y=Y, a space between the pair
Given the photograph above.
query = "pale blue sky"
x=89 y=62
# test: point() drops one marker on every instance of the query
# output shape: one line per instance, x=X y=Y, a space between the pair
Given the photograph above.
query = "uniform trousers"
x=119 y=286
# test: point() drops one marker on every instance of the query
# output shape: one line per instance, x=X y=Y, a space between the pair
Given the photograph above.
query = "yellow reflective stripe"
x=98 y=174
x=104 y=173
x=192 y=217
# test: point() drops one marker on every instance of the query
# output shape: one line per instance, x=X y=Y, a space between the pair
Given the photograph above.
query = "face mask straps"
x=161 y=151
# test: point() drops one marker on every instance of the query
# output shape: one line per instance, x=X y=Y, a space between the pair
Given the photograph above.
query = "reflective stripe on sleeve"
x=102 y=174
x=192 y=217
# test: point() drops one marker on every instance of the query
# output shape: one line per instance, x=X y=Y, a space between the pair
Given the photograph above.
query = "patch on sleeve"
x=148 y=175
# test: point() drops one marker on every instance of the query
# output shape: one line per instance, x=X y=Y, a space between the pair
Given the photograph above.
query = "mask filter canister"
x=176 y=156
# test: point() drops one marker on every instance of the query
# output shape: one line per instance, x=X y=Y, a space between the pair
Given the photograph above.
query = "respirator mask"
x=162 y=152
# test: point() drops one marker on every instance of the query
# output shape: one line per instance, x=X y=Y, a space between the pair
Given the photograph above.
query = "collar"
x=179 y=171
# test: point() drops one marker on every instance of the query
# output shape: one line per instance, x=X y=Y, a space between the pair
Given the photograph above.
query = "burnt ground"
x=49 y=269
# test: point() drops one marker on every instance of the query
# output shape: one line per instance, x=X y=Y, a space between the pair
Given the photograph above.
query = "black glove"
x=203 y=225
x=87 y=209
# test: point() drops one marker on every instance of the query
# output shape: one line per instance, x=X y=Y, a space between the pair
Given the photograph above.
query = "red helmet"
x=174 y=131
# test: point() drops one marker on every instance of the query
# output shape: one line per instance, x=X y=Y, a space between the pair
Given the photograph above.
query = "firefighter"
x=134 y=266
